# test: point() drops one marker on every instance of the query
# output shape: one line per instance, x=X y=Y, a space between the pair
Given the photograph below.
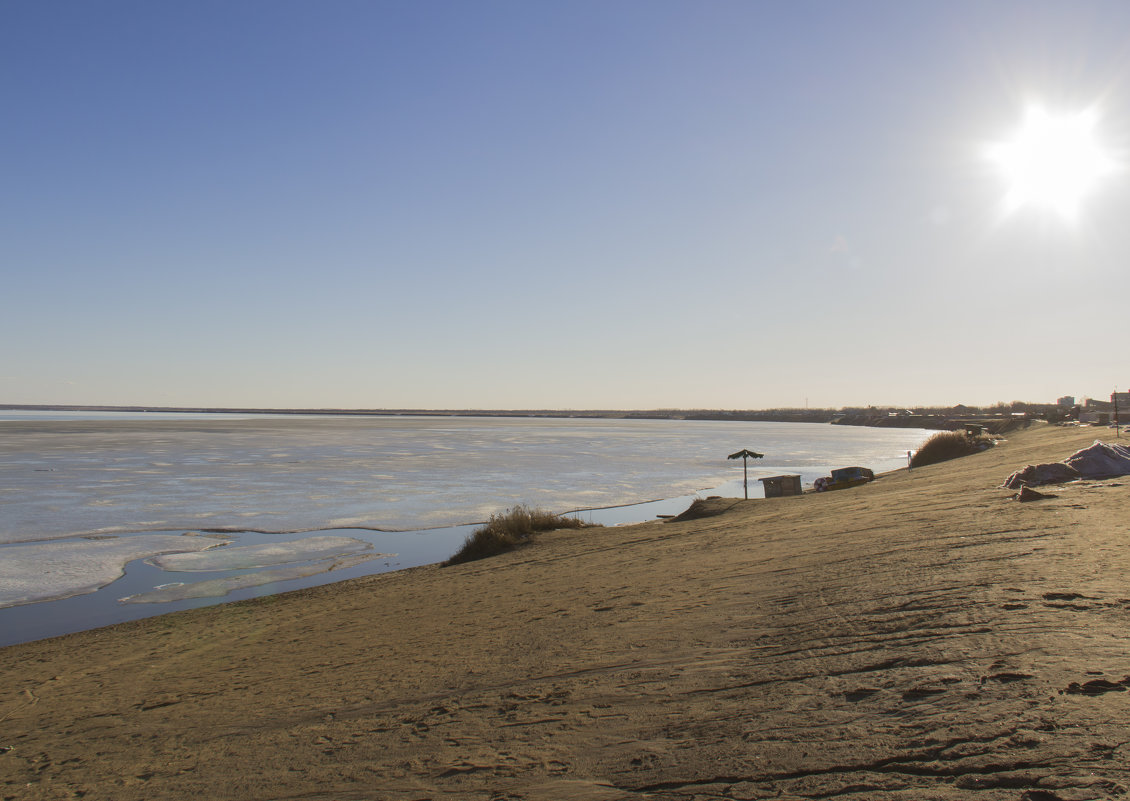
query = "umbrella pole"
x=745 y=477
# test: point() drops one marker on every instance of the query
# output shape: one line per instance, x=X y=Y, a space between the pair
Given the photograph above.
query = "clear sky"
x=574 y=204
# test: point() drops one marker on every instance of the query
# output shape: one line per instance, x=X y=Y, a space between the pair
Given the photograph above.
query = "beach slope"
x=923 y=636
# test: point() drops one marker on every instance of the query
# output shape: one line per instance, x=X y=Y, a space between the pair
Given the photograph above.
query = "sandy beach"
x=921 y=637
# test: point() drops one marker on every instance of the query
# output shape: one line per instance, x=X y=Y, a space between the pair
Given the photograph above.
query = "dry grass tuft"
x=946 y=445
x=509 y=530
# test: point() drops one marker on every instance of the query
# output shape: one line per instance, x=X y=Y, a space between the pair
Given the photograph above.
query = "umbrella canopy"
x=745 y=455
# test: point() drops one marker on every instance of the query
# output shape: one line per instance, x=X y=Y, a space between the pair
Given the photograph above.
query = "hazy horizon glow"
x=587 y=205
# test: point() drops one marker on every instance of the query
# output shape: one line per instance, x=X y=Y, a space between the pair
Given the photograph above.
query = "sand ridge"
x=920 y=637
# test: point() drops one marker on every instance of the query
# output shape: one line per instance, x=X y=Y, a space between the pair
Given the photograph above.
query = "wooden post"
x=1114 y=397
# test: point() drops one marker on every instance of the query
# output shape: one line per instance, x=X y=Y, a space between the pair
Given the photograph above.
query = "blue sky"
x=504 y=204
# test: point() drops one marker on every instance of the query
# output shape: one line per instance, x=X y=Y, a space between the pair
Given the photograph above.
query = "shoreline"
x=920 y=636
x=100 y=604
x=110 y=611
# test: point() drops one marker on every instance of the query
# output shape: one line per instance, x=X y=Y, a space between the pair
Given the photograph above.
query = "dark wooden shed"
x=780 y=486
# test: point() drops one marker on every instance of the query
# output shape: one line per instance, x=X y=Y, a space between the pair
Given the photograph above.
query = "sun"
x=1052 y=161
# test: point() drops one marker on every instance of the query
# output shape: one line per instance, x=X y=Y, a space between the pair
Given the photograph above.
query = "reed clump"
x=946 y=445
x=508 y=530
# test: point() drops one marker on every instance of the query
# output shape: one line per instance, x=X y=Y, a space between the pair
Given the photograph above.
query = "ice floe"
x=51 y=570
x=219 y=587
x=263 y=555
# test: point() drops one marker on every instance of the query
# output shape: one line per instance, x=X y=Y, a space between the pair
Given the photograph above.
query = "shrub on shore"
x=946 y=445
x=508 y=530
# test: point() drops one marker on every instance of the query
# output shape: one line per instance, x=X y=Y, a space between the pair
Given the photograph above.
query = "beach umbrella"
x=745 y=456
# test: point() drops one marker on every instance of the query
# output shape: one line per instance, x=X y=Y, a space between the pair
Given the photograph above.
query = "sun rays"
x=1053 y=162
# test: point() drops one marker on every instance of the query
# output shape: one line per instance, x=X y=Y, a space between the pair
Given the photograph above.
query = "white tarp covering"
x=1099 y=460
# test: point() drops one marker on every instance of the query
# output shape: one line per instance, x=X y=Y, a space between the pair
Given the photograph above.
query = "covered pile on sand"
x=919 y=637
x=1100 y=460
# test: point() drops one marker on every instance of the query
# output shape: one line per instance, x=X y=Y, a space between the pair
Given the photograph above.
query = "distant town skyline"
x=1067 y=402
x=565 y=205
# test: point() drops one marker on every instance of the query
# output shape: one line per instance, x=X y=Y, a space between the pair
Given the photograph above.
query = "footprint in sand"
x=1007 y=677
x=918 y=693
x=1096 y=687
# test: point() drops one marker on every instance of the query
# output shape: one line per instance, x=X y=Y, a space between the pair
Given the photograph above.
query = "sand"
x=921 y=637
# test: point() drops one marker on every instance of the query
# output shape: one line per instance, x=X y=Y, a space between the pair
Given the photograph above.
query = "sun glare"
x=1053 y=161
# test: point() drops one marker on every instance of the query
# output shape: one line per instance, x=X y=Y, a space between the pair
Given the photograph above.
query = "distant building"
x=1095 y=412
x=1066 y=400
x=1121 y=400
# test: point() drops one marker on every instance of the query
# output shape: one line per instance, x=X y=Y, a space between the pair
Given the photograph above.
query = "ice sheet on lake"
x=263 y=555
x=69 y=478
x=219 y=587
x=52 y=570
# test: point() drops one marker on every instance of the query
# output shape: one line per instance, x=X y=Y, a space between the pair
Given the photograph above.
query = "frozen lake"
x=85 y=499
